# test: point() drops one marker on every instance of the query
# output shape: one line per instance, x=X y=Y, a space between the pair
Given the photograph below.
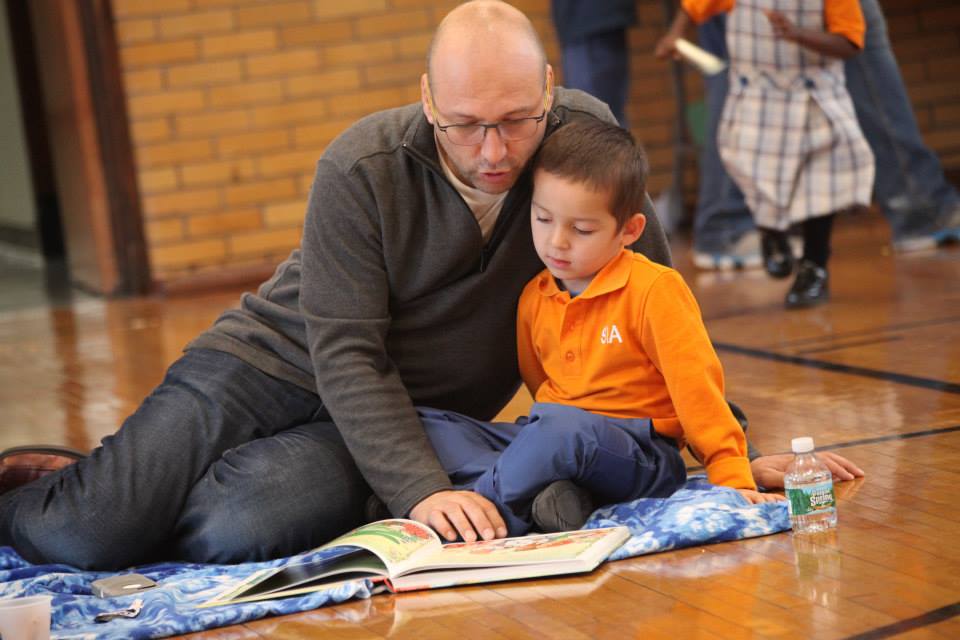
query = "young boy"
x=613 y=350
x=788 y=135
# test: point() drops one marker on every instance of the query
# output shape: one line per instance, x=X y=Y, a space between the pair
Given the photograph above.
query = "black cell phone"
x=121 y=585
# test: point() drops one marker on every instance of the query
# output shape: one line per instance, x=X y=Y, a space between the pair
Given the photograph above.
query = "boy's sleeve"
x=702 y=10
x=845 y=18
x=531 y=370
x=676 y=340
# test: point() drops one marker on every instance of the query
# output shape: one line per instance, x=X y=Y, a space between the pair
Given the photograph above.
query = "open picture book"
x=404 y=555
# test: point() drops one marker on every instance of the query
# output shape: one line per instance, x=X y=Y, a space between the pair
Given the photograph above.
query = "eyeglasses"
x=468 y=135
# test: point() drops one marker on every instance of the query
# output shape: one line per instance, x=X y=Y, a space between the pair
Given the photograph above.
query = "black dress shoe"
x=812 y=287
x=23 y=465
x=777 y=255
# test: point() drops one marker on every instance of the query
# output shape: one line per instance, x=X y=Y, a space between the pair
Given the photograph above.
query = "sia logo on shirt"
x=610 y=334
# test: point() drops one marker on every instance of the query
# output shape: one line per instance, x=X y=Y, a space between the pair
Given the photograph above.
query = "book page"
x=375 y=549
x=531 y=549
x=396 y=541
x=513 y=558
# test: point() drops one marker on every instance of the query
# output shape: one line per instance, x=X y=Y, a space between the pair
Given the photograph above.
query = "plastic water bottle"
x=809 y=488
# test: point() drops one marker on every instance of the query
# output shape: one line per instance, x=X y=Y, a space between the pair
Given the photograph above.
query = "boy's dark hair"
x=603 y=156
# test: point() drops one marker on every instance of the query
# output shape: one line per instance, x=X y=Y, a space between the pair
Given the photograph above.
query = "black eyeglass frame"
x=486 y=126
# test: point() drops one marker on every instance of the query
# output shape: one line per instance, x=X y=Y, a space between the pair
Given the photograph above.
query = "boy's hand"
x=782 y=27
x=460 y=512
x=755 y=497
x=768 y=471
x=667 y=47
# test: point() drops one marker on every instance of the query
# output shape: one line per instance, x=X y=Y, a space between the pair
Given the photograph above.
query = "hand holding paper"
x=706 y=62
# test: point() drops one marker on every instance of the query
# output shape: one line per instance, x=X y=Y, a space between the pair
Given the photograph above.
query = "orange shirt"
x=633 y=345
x=842 y=17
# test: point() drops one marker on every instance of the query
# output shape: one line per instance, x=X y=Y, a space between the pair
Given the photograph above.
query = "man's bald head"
x=486 y=66
x=484 y=30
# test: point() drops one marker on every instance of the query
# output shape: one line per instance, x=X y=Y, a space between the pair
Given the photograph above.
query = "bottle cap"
x=802 y=445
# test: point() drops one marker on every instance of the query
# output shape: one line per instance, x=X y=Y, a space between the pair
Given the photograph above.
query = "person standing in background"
x=923 y=209
x=788 y=134
x=594 y=50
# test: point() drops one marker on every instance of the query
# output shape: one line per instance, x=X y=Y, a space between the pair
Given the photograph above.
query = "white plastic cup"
x=25 y=618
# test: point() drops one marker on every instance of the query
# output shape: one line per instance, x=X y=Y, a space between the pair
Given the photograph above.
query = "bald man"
x=279 y=424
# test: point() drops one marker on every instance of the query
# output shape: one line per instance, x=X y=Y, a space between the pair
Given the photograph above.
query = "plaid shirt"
x=789 y=136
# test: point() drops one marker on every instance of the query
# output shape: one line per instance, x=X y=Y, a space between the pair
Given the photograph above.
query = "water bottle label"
x=812 y=499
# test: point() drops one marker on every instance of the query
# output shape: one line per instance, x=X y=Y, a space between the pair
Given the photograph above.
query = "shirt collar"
x=612 y=277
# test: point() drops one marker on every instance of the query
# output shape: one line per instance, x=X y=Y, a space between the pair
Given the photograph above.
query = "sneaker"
x=742 y=254
x=562 y=506
x=944 y=229
x=22 y=465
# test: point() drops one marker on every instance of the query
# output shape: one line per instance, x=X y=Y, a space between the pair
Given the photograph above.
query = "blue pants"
x=599 y=65
x=615 y=459
x=910 y=187
x=221 y=463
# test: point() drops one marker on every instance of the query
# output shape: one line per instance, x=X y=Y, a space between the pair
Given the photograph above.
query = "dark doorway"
x=32 y=266
x=82 y=225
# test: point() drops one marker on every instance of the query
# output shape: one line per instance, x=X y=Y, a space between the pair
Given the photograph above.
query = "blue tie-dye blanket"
x=700 y=513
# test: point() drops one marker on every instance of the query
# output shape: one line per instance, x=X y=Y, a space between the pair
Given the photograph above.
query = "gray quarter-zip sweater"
x=393 y=300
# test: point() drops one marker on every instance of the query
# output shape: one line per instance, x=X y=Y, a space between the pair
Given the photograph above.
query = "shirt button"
x=570 y=356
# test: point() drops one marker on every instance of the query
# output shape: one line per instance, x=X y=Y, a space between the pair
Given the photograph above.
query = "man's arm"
x=653 y=242
x=768 y=471
x=344 y=300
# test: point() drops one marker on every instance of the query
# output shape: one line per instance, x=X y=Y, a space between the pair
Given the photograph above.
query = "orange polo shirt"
x=633 y=345
x=842 y=17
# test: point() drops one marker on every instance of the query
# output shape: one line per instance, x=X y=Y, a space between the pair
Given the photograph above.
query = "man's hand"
x=768 y=471
x=755 y=497
x=782 y=27
x=460 y=512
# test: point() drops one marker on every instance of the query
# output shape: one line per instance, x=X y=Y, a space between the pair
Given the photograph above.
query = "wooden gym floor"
x=874 y=375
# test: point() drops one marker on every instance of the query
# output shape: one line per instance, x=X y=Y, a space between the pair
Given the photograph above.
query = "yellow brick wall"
x=232 y=101
x=926 y=40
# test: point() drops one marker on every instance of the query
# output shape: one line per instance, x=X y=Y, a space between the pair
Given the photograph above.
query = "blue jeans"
x=909 y=187
x=221 y=463
x=615 y=459
x=599 y=65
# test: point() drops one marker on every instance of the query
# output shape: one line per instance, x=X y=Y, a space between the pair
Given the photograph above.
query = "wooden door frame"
x=116 y=148
x=88 y=59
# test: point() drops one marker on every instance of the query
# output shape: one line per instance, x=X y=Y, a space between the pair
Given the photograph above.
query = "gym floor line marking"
x=877 y=374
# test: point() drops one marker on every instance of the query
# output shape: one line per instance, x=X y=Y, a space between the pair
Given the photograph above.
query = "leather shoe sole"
x=22 y=465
